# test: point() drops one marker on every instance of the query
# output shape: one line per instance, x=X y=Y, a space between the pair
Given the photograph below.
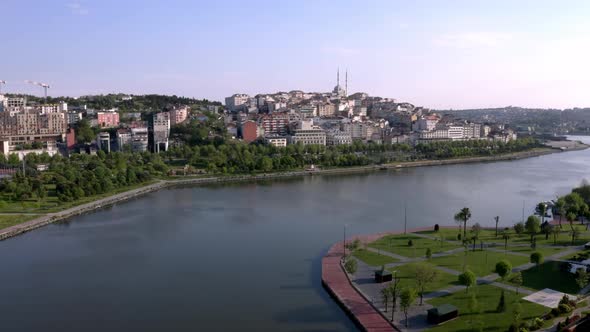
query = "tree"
x=428 y=253
x=546 y=229
x=582 y=277
x=407 y=298
x=542 y=209
x=475 y=231
x=350 y=265
x=84 y=134
x=474 y=309
x=502 y=303
x=467 y=279
x=560 y=208
x=463 y=216
x=571 y=217
x=537 y=258
x=519 y=228
x=517 y=280
x=532 y=226
x=385 y=296
x=505 y=237
x=555 y=232
x=516 y=313
x=497 y=219
x=503 y=269
x=424 y=274
x=394 y=293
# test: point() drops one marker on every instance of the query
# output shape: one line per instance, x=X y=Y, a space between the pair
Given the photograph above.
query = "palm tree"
x=463 y=215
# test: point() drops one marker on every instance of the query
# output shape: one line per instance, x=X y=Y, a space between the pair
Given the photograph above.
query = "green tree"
x=555 y=232
x=407 y=298
x=571 y=217
x=83 y=132
x=582 y=277
x=463 y=216
x=503 y=269
x=394 y=293
x=505 y=236
x=428 y=253
x=467 y=279
x=532 y=226
x=560 y=208
x=497 y=219
x=424 y=274
x=542 y=209
x=537 y=258
x=517 y=280
x=519 y=228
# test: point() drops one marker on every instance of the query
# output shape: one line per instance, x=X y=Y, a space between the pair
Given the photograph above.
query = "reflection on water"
x=244 y=256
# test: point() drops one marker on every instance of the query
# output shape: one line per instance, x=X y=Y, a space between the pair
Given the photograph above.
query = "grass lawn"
x=578 y=255
x=489 y=236
x=545 y=250
x=406 y=274
x=548 y=275
x=487 y=297
x=398 y=244
x=7 y=221
x=479 y=262
x=51 y=203
x=372 y=258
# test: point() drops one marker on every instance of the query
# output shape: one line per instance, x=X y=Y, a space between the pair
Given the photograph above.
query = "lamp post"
x=344 y=242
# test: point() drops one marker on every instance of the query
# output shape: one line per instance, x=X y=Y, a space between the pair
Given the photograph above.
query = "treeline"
x=136 y=103
x=235 y=158
x=456 y=149
x=81 y=175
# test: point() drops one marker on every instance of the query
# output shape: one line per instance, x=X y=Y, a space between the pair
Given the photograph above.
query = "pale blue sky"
x=437 y=54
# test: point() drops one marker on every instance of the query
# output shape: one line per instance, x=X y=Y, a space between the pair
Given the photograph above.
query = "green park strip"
x=400 y=245
x=545 y=250
x=487 y=298
x=372 y=258
x=11 y=220
x=552 y=275
x=482 y=263
x=407 y=277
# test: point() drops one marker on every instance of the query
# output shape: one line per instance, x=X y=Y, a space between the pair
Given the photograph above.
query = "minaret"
x=346 y=84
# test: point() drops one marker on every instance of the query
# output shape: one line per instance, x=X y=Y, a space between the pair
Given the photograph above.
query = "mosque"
x=338 y=90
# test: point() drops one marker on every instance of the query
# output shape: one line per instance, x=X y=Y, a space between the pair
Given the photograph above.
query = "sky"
x=437 y=54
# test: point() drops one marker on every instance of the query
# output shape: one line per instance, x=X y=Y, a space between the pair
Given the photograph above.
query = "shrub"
x=564 y=308
x=350 y=265
x=410 y=243
x=428 y=253
x=459 y=237
x=503 y=268
x=436 y=227
x=513 y=328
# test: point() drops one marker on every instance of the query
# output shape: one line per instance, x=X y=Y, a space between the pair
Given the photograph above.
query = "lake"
x=245 y=256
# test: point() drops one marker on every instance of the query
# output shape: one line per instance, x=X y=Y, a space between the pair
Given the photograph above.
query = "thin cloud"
x=76 y=8
x=473 y=39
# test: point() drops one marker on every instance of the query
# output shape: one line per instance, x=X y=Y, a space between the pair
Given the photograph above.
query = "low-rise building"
x=278 y=141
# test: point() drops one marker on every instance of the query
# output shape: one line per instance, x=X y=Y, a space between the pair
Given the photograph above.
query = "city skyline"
x=464 y=55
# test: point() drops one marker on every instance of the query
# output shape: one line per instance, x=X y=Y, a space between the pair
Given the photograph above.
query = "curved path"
x=336 y=282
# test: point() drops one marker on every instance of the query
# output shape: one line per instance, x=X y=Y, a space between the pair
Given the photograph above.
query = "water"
x=245 y=256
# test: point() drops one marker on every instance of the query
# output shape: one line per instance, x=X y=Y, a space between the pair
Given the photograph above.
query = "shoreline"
x=163 y=184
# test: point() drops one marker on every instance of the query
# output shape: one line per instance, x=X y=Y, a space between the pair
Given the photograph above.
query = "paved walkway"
x=337 y=283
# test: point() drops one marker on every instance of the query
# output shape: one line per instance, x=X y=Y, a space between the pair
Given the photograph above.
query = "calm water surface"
x=245 y=256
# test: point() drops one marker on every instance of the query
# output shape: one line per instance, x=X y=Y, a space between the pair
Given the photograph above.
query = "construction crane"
x=43 y=85
x=2 y=82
